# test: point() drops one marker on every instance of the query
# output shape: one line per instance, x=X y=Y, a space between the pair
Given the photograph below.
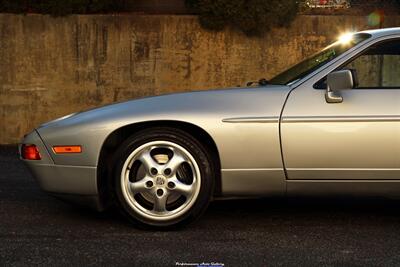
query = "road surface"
x=36 y=229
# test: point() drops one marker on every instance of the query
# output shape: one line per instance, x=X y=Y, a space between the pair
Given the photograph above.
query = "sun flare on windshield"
x=346 y=38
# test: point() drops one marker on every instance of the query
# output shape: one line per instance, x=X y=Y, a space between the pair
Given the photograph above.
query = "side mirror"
x=337 y=81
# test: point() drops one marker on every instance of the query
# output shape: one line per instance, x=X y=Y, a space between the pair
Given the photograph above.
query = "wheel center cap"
x=160 y=180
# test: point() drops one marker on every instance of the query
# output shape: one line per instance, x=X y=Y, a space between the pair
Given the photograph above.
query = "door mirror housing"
x=338 y=81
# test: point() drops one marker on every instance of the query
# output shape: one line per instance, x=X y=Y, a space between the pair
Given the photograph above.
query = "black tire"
x=197 y=151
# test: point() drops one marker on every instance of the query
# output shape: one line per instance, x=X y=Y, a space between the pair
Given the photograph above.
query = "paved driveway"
x=36 y=229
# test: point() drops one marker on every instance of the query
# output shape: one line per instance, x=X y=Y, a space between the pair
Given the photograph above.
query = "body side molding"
x=376 y=118
x=271 y=119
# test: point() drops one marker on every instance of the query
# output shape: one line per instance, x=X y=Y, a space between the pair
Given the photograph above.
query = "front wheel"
x=164 y=178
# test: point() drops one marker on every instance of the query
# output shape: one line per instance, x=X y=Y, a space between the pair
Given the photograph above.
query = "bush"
x=253 y=17
x=63 y=7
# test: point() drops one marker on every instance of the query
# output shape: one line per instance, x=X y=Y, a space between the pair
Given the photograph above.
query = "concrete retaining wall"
x=50 y=66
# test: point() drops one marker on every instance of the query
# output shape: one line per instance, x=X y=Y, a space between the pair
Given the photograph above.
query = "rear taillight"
x=30 y=152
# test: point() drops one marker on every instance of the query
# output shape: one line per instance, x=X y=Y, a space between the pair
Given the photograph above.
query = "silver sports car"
x=328 y=125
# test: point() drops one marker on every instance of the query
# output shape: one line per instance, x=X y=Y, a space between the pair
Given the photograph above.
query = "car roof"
x=383 y=32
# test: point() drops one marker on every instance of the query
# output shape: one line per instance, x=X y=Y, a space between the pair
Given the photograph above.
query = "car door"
x=358 y=139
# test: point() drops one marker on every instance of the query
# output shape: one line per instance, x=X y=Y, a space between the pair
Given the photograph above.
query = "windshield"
x=316 y=61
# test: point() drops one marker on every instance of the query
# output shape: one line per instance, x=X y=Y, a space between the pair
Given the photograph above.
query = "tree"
x=253 y=17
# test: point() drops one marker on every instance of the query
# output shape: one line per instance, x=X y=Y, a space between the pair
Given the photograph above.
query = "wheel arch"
x=114 y=139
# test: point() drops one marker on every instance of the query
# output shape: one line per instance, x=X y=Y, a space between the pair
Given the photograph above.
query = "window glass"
x=316 y=61
x=377 y=67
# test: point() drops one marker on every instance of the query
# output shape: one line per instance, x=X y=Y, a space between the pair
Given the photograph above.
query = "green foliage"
x=63 y=7
x=253 y=17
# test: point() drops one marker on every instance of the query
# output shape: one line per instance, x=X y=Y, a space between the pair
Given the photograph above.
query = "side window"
x=376 y=67
x=379 y=66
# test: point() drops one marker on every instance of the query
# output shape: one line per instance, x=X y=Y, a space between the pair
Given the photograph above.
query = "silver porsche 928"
x=328 y=125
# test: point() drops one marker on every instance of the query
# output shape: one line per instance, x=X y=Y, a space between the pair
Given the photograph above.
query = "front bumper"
x=74 y=183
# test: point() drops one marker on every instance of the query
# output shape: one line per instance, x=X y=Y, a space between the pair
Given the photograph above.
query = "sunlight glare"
x=346 y=38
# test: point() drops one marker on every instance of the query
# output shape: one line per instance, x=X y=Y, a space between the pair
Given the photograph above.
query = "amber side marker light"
x=30 y=152
x=67 y=149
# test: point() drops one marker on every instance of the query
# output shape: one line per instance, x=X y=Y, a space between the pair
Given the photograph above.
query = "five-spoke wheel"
x=160 y=180
x=163 y=177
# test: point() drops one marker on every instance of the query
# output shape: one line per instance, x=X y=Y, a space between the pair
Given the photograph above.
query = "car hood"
x=218 y=102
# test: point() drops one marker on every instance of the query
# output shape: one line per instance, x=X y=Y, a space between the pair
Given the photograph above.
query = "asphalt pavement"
x=37 y=229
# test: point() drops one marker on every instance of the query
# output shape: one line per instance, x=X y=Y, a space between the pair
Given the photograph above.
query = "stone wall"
x=50 y=67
